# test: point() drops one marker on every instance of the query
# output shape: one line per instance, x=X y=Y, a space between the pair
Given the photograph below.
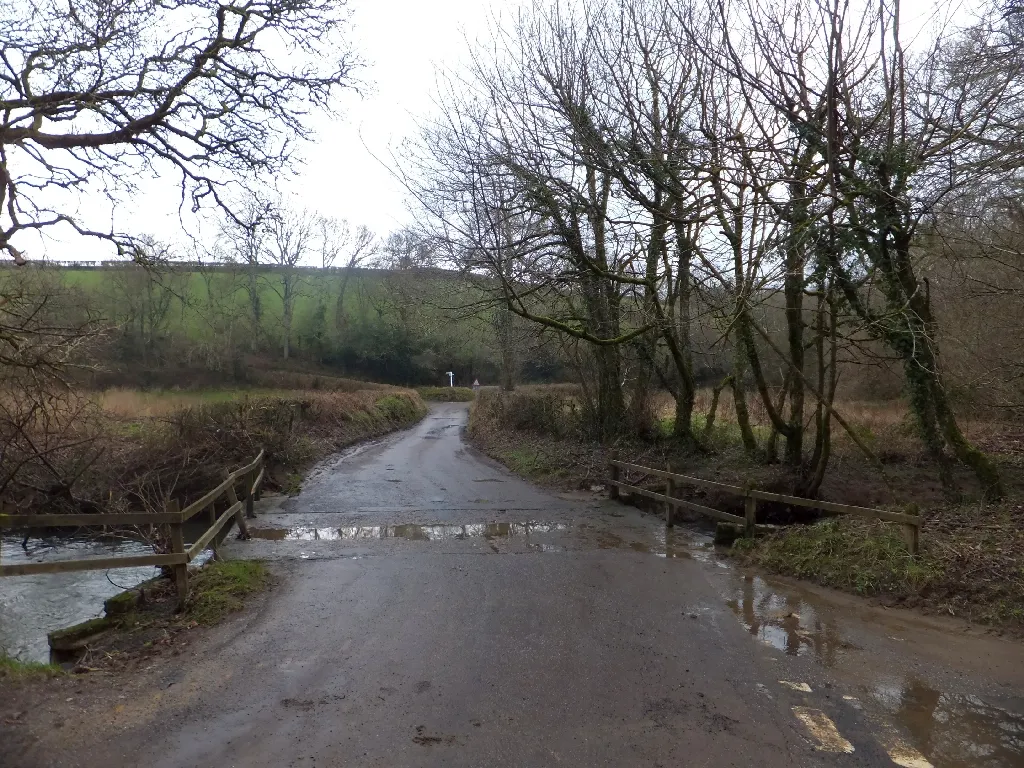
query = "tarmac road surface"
x=435 y=610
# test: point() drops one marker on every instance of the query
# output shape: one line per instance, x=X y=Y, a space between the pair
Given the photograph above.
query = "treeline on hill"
x=786 y=202
x=195 y=324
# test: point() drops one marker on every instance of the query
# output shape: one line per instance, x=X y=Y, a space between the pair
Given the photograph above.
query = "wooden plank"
x=701 y=483
x=97 y=564
x=844 y=509
x=208 y=498
x=687 y=479
x=178 y=548
x=203 y=541
x=709 y=511
x=243 y=527
x=86 y=520
x=256 y=485
x=828 y=506
x=750 y=515
x=248 y=467
x=640 y=468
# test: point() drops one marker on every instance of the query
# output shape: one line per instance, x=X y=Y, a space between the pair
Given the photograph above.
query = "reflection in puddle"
x=411 y=532
x=954 y=730
x=666 y=542
x=673 y=544
x=951 y=730
x=786 y=622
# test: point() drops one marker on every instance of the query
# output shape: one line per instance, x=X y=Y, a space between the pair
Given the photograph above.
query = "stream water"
x=31 y=606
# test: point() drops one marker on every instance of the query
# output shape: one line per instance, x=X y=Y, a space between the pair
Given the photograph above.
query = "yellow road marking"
x=796 y=686
x=907 y=757
x=823 y=730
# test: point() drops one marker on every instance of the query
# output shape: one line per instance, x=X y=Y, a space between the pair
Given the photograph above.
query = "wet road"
x=437 y=611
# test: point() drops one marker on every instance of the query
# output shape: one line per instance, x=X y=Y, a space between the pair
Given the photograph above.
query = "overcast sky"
x=404 y=43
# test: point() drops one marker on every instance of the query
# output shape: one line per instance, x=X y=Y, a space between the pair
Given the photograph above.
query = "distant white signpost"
x=451 y=378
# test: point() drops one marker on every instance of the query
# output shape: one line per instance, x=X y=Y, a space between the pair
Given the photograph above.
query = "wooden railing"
x=911 y=523
x=236 y=509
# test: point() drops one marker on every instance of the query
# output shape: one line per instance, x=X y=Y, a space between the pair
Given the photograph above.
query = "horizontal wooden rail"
x=843 y=509
x=711 y=512
x=207 y=499
x=911 y=523
x=256 y=485
x=257 y=462
x=85 y=520
x=203 y=541
x=95 y=564
x=231 y=480
x=663 y=473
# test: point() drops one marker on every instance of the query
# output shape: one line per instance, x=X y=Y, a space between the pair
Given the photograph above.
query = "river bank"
x=175 y=444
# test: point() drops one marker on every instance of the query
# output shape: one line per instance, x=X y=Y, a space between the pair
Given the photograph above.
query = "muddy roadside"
x=971 y=562
x=145 y=662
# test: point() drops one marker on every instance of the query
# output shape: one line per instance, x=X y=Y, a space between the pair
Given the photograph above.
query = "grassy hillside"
x=403 y=327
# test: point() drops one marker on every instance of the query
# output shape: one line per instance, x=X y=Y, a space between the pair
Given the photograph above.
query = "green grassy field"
x=202 y=299
x=395 y=326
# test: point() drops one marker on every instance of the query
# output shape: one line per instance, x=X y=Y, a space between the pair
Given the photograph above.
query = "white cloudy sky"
x=404 y=43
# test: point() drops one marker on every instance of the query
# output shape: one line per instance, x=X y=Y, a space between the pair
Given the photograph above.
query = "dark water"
x=31 y=606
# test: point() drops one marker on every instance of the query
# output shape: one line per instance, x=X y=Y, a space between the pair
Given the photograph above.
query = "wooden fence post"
x=243 y=528
x=613 y=476
x=250 y=478
x=260 y=471
x=178 y=548
x=912 y=535
x=750 y=516
x=670 y=491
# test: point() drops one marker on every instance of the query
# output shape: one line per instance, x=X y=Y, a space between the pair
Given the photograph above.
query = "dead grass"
x=147 y=404
x=154 y=446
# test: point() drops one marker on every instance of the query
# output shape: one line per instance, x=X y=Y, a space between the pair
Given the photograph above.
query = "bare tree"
x=345 y=249
x=47 y=430
x=96 y=93
x=290 y=238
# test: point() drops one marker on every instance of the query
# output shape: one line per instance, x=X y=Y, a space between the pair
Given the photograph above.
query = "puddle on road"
x=410 y=532
x=954 y=730
x=667 y=543
x=786 y=621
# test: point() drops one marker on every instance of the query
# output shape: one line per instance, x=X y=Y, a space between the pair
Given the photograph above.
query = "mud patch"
x=426 y=740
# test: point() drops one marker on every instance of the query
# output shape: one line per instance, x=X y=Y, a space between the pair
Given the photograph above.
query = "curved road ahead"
x=435 y=610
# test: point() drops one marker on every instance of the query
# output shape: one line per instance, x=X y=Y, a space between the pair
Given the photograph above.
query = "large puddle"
x=787 y=622
x=665 y=543
x=951 y=730
x=410 y=532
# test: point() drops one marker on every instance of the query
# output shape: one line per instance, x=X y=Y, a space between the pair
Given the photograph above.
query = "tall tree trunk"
x=680 y=327
x=828 y=380
x=793 y=289
x=288 y=307
x=739 y=396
